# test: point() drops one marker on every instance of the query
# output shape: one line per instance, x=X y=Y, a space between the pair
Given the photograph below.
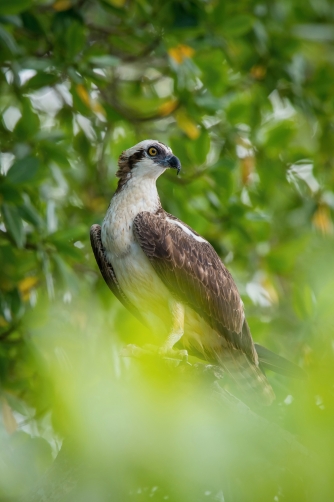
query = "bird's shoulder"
x=162 y=232
x=162 y=222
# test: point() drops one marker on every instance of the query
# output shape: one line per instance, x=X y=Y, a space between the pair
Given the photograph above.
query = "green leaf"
x=82 y=145
x=69 y=279
x=75 y=39
x=238 y=25
x=104 y=60
x=70 y=234
x=15 y=303
x=10 y=193
x=221 y=173
x=23 y=170
x=32 y=63
x=55 y=152
x=78 y=104
x=179 y=147
x=30 y=214
x=28 y=124
x=14 y=6
x=257 y=216
x=7 y=40
x=67 y=249
x=215 y=76
x=112 y=115
x=41 y=80
x=12 y=20
x=278 y=135
x=13 y=223
x=199 y=148
x=31 y=23
x=303 y=301
x=238 y=109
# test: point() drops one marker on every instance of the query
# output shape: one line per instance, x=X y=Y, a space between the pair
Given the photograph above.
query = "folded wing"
x=191 y=269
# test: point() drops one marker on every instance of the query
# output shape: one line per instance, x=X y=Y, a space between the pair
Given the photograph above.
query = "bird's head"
x=147 y=159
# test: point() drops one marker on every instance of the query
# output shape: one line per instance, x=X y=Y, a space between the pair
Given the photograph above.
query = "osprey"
x=172 y=279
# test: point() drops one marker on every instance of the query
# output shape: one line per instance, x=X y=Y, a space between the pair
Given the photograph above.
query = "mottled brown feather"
x=195 y=275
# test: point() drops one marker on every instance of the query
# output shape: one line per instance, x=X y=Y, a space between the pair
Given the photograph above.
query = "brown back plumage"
x=194 y=273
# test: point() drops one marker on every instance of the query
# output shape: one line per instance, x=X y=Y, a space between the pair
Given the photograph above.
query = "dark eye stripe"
x=136 y=157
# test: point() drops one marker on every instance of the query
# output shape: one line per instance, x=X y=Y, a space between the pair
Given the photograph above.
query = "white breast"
x=133 y=270
x=135 y=197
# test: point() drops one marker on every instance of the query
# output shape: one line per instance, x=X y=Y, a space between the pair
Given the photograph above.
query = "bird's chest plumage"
x=133 y=270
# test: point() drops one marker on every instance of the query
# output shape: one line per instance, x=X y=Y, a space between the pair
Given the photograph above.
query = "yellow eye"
x=152 y=151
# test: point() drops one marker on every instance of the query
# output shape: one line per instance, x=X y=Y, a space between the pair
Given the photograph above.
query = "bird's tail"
x=250 y=379
x=270 y=361
x=250 y=382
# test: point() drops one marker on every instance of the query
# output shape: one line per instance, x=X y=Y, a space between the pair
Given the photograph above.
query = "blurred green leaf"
x=32 y=63
x=82 y=145
x=15 y=304
x=14 y=224
x=10 y=193
x=104 y=61
x=74 y=38
x=67 y=275
x=303 y=301
x=179 y=147
x=279 y=134
x=214 y=75
x=69 y=234
x=7 y=40
x=23 y=170
x=28 y=124
x=238 y=25
x=32 y=23
x=54 y=151
x=30 y=214
x=14 y=6
x=41 y=80
x=199 y=148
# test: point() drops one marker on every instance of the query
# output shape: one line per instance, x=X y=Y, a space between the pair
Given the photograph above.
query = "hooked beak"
x=174 y=163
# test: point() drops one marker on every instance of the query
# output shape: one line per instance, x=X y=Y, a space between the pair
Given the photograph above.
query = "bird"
x=172 y=279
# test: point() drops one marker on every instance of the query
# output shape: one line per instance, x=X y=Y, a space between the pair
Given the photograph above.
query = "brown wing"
x=108 y=273
x=195 y=275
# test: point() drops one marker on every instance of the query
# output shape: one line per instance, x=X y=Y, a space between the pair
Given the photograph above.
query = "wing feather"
x=108 y=272
x=193 y=272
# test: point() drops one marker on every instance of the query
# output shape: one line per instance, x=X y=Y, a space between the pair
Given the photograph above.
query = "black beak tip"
x=174 y=163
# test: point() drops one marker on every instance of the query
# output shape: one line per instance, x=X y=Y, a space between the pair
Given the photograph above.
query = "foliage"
x=243 y=93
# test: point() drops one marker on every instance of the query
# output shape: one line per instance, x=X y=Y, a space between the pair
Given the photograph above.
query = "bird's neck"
x=135 y=196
